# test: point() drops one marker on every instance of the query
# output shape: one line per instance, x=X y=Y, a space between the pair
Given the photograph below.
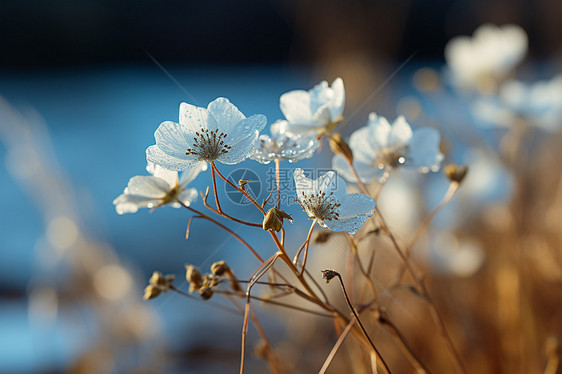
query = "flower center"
x=391 y=157
x=321 y=206
x=208 y=145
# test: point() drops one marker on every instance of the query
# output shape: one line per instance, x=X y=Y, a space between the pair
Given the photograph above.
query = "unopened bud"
x=151 y=291
x=339 y=146
x=455 y=173
x=243 y=182
x=273 y=220
x=219 y=268
x=322 y=237
x=159 y=280
x=193 y=276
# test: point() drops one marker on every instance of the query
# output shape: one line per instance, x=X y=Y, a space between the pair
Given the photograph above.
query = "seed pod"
x=219 y=268
x=193 y=276
x=455 y=173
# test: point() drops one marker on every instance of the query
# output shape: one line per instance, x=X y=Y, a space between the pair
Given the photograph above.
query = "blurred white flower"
x=283 y=145
x=451 y=256
x=326 y=200
x=380 y=147
x=315 y=111
x=491 y=53
x=161 y=188
x=219 y=133
x=539 y=104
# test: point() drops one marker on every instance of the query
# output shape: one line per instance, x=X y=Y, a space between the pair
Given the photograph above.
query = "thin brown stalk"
x=336 y=347
x=260 y=271
x=356 y=315
x=241 y=190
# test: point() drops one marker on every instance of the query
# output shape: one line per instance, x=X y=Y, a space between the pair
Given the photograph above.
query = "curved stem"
x=241 y=190
x=278 y=181
x=356 y=315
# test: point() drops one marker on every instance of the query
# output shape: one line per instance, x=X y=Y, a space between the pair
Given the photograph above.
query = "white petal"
x=303 y=184
x=338 y=99
x=190 y=174
x=173 y=139
x=242 y=139
x=171 y=177
x=148 y=186
x=188 y=196
x=356 y=204
x=362 y=145
x=424 y=150
x=366 y=171
x=379 y=130
x=223 y=115
x=131 y=204
x=331 y=183
x=322 y=117
x=401 y=132
x=192 y=117
x=295 y=106
x=156 y=156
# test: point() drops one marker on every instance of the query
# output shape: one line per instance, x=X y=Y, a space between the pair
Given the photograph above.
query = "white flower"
x=326 y=200
x=160 y=188
x=219 y=133
x=379 y=147
x=539 y=103
x=315 y=111
x=283 y=145
x=491 y=53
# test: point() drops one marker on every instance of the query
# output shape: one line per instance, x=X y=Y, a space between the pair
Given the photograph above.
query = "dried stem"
x=336 y=346
x=356 y=315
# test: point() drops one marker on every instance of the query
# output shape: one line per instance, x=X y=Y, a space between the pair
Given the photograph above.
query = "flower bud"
x=339 y=146
x=219 y=268
x=455 y=173
x=150 y=292
x=322 y=237
x=273 y=220
x=193 y=276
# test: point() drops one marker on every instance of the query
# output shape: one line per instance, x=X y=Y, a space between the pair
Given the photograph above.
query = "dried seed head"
x=206 y=293
x=151 y=291
x=329 y=275
x=210 y=281
x=339 y=146
x=455 y=173
x=219 y=268
x=193 y=276
x=322 y=237
x=163 y=282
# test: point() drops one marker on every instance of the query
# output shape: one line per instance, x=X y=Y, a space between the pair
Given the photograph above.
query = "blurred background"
x=84 y=85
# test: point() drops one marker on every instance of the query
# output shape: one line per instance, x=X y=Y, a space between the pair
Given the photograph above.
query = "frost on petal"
x=295 y=106
x=355 y=209
x=173 y=139
x=190 y=174
x=157 y=156
x=302 y=183
x=400 y=133
x=223 y=115
x=331 y=183
x=424 y=150
x=148 y=186
x=125 y=203
x=193 y=118
x=188 y=196
x=242 y=139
